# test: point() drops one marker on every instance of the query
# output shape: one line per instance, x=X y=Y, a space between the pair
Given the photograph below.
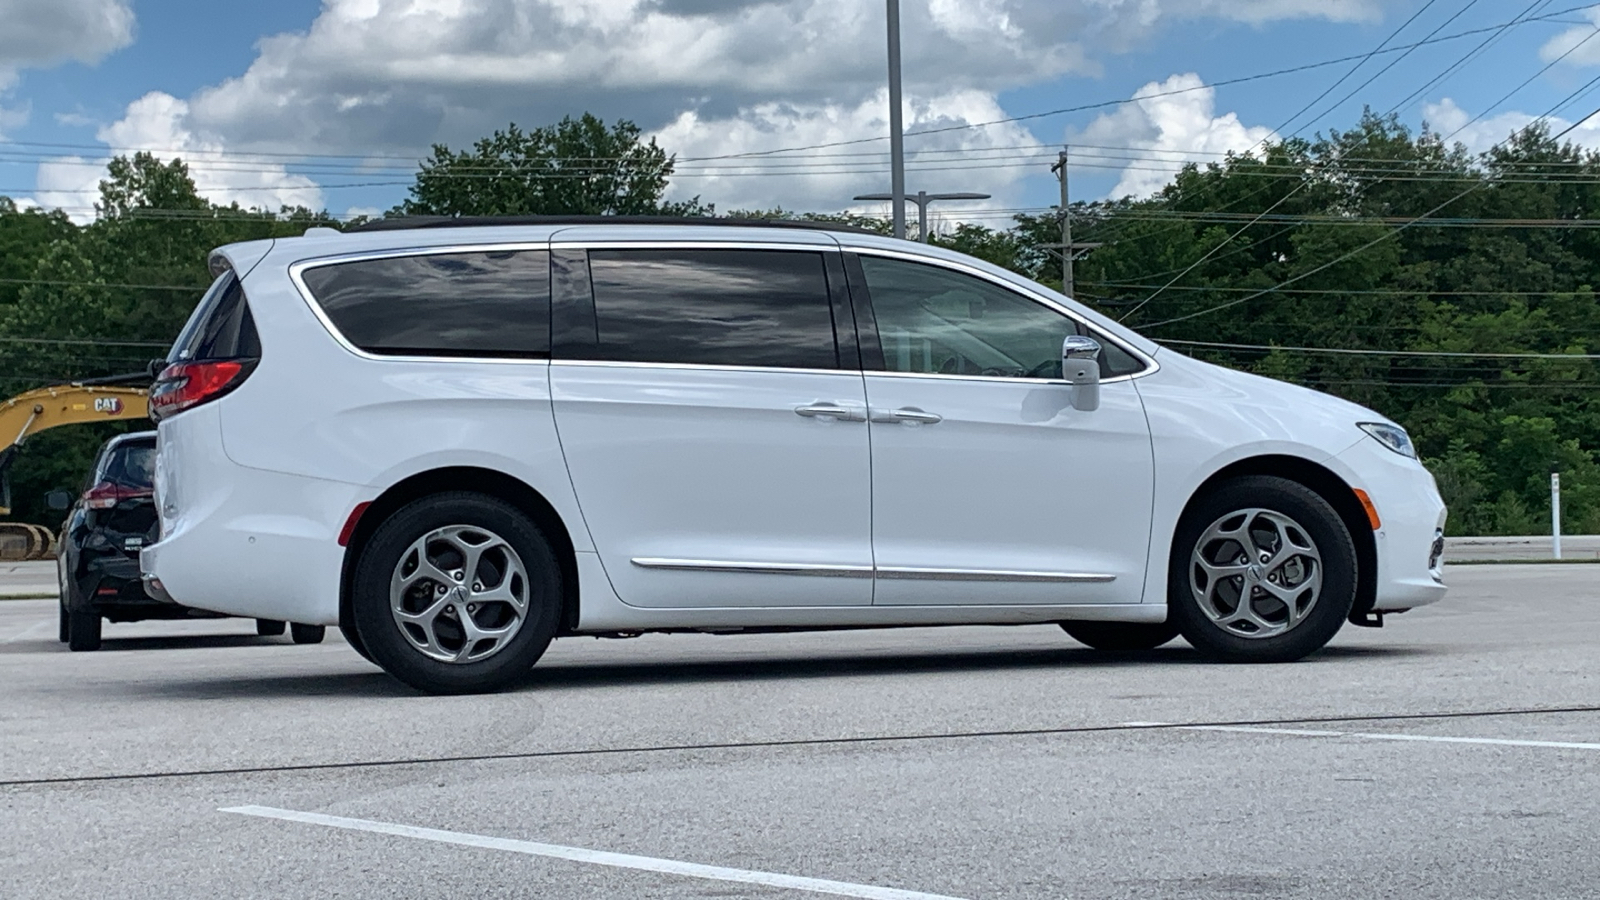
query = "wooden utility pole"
x=1069 y=250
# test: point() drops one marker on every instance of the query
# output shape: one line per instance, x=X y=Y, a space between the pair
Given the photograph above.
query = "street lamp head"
x=876 y=197
x=959 y=196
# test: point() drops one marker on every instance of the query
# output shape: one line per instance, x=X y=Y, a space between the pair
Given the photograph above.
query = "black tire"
x=381 y=635
x=306 y=634
x=65 y=633
x=353 y=638
x=1323 y=526
x=83 y=630
x=1121 y=637
x=269 y=627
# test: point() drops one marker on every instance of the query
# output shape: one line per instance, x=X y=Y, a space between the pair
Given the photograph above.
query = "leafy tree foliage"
x=575 y=167
x=1507 y=264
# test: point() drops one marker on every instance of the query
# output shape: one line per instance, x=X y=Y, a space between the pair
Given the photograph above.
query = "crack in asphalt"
x=859 y=740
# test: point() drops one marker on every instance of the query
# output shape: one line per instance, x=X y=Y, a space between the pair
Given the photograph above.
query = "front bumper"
x=1409 y=540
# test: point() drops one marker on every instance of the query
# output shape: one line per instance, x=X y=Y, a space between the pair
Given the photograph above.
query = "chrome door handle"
x=909 y=415
x=830 y=411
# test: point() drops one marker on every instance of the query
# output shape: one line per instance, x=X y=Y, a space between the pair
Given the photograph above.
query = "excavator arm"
x=25 y=415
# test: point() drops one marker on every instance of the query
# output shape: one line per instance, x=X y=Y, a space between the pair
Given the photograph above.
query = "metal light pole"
x=897 y=137
x=922 y=199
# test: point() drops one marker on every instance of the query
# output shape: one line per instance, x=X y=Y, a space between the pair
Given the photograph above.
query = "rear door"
x=713 y=419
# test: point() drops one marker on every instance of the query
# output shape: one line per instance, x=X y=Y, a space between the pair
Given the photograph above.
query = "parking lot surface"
x=1454 y=753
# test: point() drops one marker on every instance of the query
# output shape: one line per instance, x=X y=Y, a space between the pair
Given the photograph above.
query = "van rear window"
x=482 y=304
x=221 y=328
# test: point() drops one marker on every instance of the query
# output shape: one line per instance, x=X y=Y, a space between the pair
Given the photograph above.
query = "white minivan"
x=458 y=439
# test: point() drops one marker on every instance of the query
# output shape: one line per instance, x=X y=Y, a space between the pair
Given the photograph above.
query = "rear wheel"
x=457 y=593
x=1262 y=570
x=269 y=627
x=1121 y=637
x=83 y=630
x=353 y=638
x=306 y=634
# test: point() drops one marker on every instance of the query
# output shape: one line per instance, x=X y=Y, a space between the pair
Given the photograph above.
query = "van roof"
x=403 y=223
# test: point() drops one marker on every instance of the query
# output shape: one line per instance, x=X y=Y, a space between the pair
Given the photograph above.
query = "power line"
x=1386 y=353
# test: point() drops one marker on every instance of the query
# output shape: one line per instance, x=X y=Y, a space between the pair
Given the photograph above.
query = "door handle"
x=830 y=411
x=908 y=415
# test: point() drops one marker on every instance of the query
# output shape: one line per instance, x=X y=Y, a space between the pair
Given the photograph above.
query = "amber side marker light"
x=1372 y=511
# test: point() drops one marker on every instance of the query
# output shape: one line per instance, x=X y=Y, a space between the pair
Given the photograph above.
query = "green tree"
x=575 y=167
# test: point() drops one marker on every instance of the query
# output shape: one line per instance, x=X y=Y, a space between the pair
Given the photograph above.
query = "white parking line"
x=26 y=632
x=595 y=857
x=1375 y=736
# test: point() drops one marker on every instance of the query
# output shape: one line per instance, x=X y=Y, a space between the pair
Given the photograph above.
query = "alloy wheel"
x=459 y=594
x=1256 y=573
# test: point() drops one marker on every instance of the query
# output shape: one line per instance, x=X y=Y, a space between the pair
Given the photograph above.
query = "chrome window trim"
x=298 y=269
x=896 y=573
x=689 y=244
x=815 y=570
x=699 y=367
x=1151 y=365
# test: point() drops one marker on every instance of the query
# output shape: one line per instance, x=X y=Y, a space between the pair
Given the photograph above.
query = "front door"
x=716 y=440
x=988 y=486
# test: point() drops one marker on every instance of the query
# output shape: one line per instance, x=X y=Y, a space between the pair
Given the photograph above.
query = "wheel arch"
x=513 y=490
x=1329 y=486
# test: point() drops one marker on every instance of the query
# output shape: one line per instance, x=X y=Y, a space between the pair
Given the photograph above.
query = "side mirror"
x=1080 y=366
x=58 y=500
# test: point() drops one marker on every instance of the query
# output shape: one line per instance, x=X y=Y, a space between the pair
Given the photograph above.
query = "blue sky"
x=329 y=103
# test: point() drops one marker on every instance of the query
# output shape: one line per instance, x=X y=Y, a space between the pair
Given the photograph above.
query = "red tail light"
x=106 y=495
x=184 y=385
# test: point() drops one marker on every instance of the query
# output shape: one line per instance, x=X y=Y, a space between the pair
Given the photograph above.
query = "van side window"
x=493 y=304
x=933 y=320
x=761 y=308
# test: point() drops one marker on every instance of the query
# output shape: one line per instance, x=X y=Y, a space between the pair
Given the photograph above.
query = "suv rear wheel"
x=1262 y=570
x=457 y=593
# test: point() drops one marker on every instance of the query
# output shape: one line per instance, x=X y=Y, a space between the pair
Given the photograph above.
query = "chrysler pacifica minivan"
x=459 y=439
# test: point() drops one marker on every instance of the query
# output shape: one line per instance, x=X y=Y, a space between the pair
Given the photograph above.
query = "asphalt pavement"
x=1454 y=753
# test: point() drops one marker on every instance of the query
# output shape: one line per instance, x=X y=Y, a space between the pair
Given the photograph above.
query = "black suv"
x=98 y=555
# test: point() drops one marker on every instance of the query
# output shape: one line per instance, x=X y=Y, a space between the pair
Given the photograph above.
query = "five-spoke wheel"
x=456 y=592
x=1262 y=570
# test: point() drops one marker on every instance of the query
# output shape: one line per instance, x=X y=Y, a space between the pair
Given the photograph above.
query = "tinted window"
x=766 y=308
x=131 y=465
x=222 y=328
x=494 y=304
x=936 y=321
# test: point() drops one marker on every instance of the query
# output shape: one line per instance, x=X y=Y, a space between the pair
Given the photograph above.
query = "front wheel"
x=1121 y=637
x=457 y=593
x=1262 y=570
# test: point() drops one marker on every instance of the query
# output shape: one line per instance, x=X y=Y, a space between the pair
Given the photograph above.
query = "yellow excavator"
x=27 y=414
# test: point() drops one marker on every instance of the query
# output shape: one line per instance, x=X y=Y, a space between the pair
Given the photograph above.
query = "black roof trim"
x=405 y=223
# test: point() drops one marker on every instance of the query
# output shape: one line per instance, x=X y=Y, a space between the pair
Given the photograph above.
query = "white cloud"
x=1152 y=139
x=156 y=123
x=1450 y=120
x=372 y=75
x=826 y=180
x=1585 y=52
x=393 y=76
x=37 y=34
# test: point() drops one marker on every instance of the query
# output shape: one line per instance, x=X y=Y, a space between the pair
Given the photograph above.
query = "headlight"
x=1392 y=436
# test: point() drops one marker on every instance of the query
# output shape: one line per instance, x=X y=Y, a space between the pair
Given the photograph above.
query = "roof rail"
x=403 y=223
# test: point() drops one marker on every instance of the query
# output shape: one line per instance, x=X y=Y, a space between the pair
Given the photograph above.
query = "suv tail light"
x=107 y=495
x=189 y=384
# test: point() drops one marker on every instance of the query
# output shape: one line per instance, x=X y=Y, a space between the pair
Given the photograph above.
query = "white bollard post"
x=1555 y=513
